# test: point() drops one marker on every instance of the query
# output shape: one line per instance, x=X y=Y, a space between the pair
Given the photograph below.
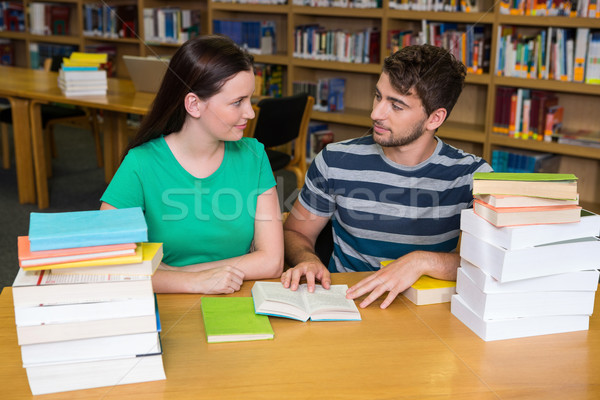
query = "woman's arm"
x=265 y=261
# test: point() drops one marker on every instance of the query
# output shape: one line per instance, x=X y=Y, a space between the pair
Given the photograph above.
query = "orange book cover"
x=515 y=216
x=28 y=258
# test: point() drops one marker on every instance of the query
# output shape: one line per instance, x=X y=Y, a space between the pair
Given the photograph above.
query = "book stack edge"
x=87 y=323
x=527 y=278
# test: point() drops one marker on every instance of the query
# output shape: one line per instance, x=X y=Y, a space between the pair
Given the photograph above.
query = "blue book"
x=51 y=231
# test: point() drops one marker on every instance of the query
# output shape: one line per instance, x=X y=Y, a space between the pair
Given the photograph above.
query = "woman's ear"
x=193 y=105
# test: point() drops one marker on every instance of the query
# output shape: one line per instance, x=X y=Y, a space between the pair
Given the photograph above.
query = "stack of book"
x=82 y=75
x=535 y=273
x=85 y=311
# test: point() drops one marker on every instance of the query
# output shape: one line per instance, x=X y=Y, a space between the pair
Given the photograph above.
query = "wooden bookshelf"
x=470 y=123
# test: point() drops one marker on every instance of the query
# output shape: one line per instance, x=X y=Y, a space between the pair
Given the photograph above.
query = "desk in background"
x=403 y=352
x=26 y=89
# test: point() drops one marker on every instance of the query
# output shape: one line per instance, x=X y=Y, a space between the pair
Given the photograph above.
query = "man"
x=396 y=194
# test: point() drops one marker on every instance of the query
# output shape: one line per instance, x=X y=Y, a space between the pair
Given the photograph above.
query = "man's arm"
x=300 y=231
x=399 y=275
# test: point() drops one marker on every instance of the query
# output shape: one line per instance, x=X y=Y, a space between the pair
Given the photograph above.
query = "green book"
x=551 y=186
x=529 y=177
x=232 y=319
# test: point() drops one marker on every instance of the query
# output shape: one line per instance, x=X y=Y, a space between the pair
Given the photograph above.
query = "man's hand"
x=394 y=278
x=313 y=270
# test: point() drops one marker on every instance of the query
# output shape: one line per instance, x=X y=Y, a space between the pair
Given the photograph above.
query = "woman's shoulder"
x=247 y=145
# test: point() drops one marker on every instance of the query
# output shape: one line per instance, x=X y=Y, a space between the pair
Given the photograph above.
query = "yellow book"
x=152 y=254
x=428 y=290
x=98 y=58
x=129 y=259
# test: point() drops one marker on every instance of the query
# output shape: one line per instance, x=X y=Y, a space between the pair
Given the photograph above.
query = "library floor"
x=76 y=184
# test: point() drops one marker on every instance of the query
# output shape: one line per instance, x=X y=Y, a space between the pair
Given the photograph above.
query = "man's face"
x=398 y=119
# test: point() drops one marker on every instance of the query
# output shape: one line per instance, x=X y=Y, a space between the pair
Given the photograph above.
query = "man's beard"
x=415 y=133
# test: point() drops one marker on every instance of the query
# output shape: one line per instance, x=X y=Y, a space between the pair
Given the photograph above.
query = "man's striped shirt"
x=382 y=210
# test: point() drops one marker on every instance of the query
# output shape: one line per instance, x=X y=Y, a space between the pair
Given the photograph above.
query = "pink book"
x=28 y=258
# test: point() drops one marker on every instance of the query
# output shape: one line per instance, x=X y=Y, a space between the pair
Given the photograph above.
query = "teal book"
x=51 y=231
x=232 y=319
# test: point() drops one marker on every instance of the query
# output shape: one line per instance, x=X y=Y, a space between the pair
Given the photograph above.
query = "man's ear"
x=436 y=119
x=193 y=105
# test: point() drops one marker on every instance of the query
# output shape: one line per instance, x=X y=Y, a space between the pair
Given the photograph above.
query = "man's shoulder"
x=358 y=147
x=450 y=155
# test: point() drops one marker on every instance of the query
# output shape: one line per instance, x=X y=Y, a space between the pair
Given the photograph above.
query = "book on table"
x=554 y=186
x=428 y=290
x=507 y=304
x=496 y=200
x=152 y=254
x=271 y=298
x=35 y=288
x=61 y=377
x=232 y=319
x=518 y=237
x=50 y=231
x=134 y=258
x=568 y=281
x=56 y=314
x=28 y=258
x=70 y=351
x=547 y=259
x=515 y=216
x=45 y=333
x=512 y=328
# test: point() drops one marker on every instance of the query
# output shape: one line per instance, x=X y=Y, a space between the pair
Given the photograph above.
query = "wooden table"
x=26 y=89
x=403 y=352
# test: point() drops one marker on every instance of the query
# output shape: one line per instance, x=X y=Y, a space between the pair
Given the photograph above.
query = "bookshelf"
x=470 y=123
x=131 y=43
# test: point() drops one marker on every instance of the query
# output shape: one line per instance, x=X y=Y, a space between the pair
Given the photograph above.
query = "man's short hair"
x=433 y=73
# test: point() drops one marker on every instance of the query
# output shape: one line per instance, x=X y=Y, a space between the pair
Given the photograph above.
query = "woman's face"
x=227 y=112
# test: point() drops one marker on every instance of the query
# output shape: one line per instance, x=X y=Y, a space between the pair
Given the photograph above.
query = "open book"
x=271 y=298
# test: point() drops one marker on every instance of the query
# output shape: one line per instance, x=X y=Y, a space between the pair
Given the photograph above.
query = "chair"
x=52 y=115
x=280 y=124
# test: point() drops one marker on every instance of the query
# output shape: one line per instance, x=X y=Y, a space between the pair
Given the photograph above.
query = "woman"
x=208 y=194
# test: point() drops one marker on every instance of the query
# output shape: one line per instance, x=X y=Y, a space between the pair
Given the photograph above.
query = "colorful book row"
x=570 y=55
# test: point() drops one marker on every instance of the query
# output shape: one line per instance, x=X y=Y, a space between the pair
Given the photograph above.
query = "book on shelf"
x=581 y=137
x=50 y=231
x=61 y=377
x=35 y=288
x=136 y=257
x=45 y=333
x=27 y=258
x=501 y=201
x=512 y=328
x=556 y=186
x=232 y=319
x=514 y=216
x=152 y=254
x=80 y=350
x=428 y=290
x=568 y=281
x=271 y=298
x=547 y=259
x=516 y=160
x=520 y=237
x=523 y=304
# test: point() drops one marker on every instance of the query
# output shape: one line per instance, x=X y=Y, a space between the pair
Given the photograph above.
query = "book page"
x=274 y=291
x=324 y=299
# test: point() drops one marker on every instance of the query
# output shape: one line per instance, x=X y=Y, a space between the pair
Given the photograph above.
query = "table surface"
x=42 y=85
x=405 y=351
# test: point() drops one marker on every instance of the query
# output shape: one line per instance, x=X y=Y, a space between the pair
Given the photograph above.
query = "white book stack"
x=75 y=83
x=89 y=327
x=529 y=280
